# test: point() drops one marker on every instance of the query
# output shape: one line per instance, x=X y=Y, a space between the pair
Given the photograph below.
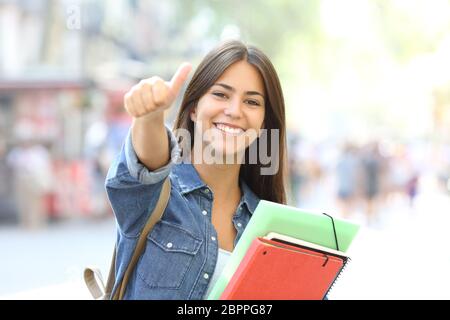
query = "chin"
x=224 y=151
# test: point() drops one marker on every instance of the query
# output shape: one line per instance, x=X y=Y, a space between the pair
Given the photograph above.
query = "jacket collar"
x=250 y=198
x=187 y=177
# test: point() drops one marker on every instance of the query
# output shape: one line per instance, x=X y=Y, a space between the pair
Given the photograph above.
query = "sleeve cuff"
x=143 y=174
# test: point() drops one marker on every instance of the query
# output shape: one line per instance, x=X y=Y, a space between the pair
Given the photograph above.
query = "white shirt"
x=222 y=260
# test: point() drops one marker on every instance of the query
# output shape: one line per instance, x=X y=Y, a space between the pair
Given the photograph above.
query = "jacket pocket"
x=168 y=256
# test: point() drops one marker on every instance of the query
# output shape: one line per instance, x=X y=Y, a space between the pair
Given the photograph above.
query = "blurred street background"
x=367 y=90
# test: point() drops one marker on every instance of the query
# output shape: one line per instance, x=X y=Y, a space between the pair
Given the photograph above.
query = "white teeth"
x=228 y=129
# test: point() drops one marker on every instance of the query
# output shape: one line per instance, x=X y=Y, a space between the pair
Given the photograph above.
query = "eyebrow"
x=230 y=88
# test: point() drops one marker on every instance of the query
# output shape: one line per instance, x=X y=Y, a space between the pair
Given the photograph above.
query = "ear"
x=193 y=114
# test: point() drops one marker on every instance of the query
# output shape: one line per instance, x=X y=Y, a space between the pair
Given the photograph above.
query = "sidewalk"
x=49 y=264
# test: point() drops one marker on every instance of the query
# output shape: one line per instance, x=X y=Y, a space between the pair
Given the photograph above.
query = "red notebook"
x=272 y=270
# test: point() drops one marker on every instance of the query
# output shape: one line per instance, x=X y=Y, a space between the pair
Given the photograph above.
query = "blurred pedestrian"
x=411 y=188
x=295 y=167
x=32 y=171
x=371 y=162
x=347 y=179
x=7 y=211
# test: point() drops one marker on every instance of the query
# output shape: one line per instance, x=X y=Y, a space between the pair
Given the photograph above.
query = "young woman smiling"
x=232 y=97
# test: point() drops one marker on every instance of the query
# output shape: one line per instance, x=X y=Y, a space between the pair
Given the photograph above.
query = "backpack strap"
x=94 y=282
x=92 y=276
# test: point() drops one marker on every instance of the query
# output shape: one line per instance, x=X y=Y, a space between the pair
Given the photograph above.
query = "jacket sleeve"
x=132 y=189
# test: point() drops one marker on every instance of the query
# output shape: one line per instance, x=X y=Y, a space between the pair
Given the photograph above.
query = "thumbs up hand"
x=154 y=95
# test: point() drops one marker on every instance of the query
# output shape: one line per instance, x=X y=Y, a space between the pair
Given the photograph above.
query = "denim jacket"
x=182 y=249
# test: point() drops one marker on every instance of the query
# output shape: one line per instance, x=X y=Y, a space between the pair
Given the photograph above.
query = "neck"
x=223 y=179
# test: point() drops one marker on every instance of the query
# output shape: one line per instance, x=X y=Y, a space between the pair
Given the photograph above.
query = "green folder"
x=274 y=217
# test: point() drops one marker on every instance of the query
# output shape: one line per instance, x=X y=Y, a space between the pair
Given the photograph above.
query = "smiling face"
x=247 y=70
x=230 y=114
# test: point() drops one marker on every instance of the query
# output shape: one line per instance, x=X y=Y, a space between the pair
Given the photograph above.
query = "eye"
x=219 y=94
x=253 y=102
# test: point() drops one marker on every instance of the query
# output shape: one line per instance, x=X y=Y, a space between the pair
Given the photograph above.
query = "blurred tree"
x=411 y=28
x=269 y=24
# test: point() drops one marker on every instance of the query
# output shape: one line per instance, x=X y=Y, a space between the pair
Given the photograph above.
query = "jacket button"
x=206 y=276
x=204 y=212
x=213 y=238
x=239 y=225
x=170 y=245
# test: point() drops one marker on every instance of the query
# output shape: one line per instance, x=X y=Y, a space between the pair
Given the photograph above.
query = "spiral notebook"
x=279 y=267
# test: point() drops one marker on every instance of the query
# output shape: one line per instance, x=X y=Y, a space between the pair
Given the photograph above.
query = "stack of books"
x=282 y=267
x=286 y=253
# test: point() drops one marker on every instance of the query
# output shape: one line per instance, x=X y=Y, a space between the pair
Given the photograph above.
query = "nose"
x=234 y=110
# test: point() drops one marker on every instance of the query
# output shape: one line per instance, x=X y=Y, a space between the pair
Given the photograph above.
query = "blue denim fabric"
x=182 y=249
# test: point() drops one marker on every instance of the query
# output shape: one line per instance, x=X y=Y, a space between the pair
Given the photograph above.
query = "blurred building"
x=48 y=100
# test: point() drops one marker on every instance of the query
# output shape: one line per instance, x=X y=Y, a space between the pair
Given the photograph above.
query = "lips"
x=228 y=128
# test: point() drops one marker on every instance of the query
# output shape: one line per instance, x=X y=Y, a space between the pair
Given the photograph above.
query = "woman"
x=233 y=95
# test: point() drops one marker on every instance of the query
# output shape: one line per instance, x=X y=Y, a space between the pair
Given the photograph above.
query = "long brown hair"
x=267 y=187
